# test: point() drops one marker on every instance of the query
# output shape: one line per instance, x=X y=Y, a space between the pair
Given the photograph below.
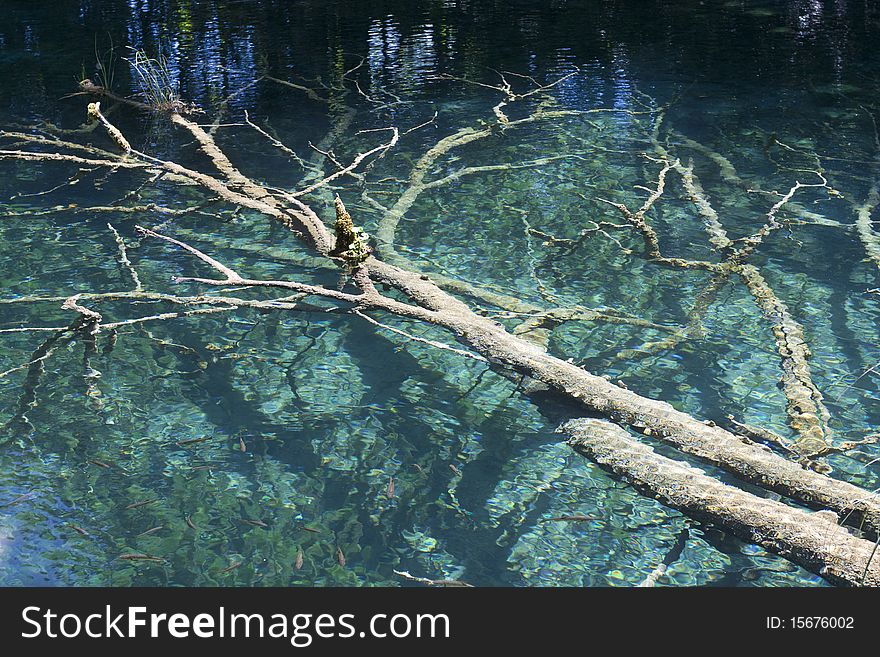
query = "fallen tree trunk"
x=510 y=353
x=723 y=449
x=812 y=540
x=733 y=453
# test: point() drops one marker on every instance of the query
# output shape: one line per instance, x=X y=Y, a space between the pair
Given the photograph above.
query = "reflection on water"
x=244 y=448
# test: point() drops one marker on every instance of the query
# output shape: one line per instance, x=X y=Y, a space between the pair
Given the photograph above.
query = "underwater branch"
x=842 y=559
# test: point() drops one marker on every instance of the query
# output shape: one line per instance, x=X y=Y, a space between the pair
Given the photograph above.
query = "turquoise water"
x=308 y=415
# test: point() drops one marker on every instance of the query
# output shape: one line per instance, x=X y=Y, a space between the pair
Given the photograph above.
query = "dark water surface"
x=308 y=415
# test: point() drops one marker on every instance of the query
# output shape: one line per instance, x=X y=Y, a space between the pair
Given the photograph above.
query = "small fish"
x=135 y=505
x=299 y=559
x=340 y=557
x=419 y=468
x=309 y=529
x=255 y=523
x=140 y=557
x=454 y=469
x=100 y=464
x=151 y=531
x=202 y=467
x=190 y=523
x=78 y=529
x=241 y=446
x=20 y=498
x=575 y=518
x=237 y=564
x=390 y=491
x=181 y=443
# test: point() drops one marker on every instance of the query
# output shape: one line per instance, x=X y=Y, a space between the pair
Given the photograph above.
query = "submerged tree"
x=383 y=286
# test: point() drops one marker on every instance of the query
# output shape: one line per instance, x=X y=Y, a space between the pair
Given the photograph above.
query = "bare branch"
x=66 y=157
x=395 y=135
x=90 y=318
x=112 y=130
x=123 y=258
x=277 y=144
x=409 y=336
x=232 y=277
x=432 y=582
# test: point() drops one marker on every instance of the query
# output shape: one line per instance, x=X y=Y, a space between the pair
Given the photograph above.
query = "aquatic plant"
x=156 y=82
x=105 y=65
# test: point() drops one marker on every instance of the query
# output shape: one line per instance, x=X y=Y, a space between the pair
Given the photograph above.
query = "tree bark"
x=812 y=540
x=736 y=454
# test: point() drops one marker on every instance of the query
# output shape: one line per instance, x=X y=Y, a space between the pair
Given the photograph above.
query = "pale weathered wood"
x=813 y=540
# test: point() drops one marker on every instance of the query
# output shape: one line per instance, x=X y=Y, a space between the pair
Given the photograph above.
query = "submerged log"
x=769 y=524
x=812 y=540
x=721 y=448
x=748 y=461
